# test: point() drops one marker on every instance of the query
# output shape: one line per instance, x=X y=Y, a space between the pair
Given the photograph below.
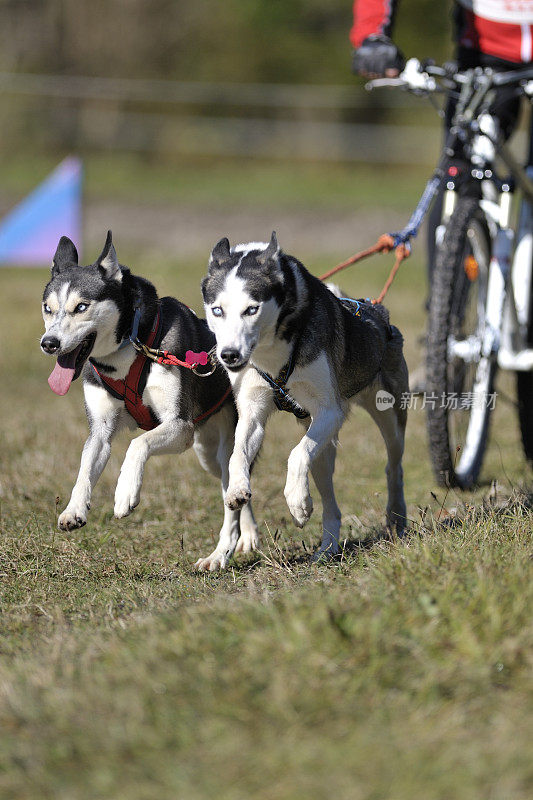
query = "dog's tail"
x=394 y=370
x=336 y=290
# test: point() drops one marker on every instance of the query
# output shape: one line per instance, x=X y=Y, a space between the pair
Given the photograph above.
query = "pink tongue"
x=63 y=372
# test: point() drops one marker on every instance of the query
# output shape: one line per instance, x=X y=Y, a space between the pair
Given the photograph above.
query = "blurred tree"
x=277 y=41
x=237 y=40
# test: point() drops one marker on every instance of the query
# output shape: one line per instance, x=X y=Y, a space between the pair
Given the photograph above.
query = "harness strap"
x=131 y=388
x=282 y=400
x=212 y=410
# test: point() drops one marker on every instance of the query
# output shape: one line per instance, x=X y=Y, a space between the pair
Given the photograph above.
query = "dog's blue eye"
x=47 y=309
x=250 y=311
x=81 y=307
x=216 y=311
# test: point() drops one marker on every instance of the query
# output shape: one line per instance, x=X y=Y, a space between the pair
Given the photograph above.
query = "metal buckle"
x=214 y=364
x=203 y=374
x=145 y=350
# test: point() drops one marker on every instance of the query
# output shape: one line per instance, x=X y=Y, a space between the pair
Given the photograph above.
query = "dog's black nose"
x=50 y=344
x=230 y=356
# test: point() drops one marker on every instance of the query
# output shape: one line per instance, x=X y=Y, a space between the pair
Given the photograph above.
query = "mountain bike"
x=480 y=311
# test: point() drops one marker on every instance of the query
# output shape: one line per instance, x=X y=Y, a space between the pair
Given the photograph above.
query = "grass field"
x=402 y=671
x=202 y=182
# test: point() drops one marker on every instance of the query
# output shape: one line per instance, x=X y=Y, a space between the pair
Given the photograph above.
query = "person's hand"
x=378 y=57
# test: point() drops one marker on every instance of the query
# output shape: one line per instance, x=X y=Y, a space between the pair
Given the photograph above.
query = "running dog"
x=110 y=325
x=287 y=340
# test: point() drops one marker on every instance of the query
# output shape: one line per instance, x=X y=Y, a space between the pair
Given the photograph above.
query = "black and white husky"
x=287 y=340
x=93 y=315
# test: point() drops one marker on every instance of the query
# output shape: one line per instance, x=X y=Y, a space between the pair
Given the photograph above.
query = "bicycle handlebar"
x=475 y=88
x=513 y=76
x=429 y=78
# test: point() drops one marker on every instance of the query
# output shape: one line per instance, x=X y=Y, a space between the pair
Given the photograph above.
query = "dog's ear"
x=107 y=262
x=65 y=255
x=272 y=251
x=220 y=255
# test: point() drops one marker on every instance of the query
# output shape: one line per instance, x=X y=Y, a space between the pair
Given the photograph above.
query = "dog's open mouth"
x=69 y=366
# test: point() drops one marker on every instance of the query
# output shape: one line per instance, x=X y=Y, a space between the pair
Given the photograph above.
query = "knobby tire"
x=444 y=302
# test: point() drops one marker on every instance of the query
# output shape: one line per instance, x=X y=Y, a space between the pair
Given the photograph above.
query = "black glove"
x=376 y=55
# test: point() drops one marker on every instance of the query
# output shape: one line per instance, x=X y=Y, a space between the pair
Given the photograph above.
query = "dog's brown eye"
x=81 y=307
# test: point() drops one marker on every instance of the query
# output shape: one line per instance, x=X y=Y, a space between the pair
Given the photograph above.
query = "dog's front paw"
x=301 y=511
x=238 y=495
x=216 y=561
x=248 y=541
x=397 y=520
x=325 y=553
x=126 y=499
x=71 y=519
x=300 y=503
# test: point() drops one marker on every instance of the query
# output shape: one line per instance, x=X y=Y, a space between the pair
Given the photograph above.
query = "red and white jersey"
x=513 y=12
x=500 y=28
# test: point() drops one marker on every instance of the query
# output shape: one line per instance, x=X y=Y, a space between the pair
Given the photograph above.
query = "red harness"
x=128 y=388
x=131 y=388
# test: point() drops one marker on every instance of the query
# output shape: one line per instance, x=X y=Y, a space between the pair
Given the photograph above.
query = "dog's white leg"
x=254 y=408
x=391 y=424
x=94 y=457
x=248 y=532
x=324 y=428
x=322 y=471
x=249 y=538
x=103 y=414
x=249 y=436
x=227 y=542
x=172 y=436
x=229 y=533
x=213 y=443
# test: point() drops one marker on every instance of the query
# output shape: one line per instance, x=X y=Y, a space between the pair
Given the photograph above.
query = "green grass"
x=402 y=671
x=202 y=182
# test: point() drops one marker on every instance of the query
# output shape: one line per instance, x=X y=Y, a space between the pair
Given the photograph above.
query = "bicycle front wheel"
x=459 y=378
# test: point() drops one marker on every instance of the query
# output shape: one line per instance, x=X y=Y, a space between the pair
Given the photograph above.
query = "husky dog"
x=287 y=340
x=94 y=315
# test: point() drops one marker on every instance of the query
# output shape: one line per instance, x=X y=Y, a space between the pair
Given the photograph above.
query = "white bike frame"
x=508 y=306
x=513 y=289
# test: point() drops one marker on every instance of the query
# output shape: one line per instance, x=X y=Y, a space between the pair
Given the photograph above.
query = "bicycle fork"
x=514 y=350
x=499 y=273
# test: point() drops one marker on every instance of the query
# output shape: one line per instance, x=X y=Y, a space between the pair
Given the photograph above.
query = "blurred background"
x=193 y=120
x=201 y=119
x=196 y=119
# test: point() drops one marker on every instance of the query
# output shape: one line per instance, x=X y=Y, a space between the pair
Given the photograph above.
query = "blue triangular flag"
x=30 y=232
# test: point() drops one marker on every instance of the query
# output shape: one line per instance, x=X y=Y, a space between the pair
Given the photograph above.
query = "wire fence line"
x=262 y=138
x=283 y=121
x=274 y=95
